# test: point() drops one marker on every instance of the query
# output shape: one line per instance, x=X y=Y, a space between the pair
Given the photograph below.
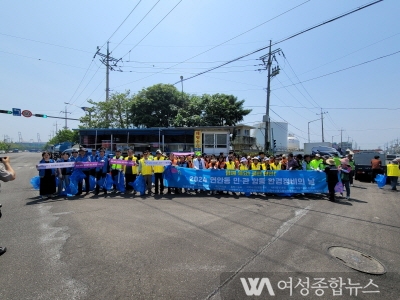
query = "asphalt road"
x=188 y=246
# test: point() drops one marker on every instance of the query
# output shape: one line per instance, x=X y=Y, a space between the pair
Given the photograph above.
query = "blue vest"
x=41 y=172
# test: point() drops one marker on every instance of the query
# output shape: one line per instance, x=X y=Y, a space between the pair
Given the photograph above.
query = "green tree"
x=223 y=110
x=65 y=135
x=156 y=106
x=114 y=113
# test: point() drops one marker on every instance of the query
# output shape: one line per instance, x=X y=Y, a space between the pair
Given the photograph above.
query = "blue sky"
x=47 y=48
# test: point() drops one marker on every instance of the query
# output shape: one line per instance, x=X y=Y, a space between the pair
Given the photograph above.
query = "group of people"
x=139 y=166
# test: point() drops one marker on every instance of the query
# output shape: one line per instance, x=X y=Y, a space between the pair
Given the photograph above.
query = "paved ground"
x=166 y=247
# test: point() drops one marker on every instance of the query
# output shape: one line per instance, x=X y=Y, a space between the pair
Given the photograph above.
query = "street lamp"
x=84 y=108
x=309 y=128
x=182 y=86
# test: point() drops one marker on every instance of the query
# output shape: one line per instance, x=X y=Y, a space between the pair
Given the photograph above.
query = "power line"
x=341 y=70
x=285 y=39
x=216 y=47
x=153 y=27
x=123 y=21
x=46 y=43
x=135 y=26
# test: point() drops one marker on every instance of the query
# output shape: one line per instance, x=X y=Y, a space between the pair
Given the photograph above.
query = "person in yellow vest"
x=336 y=158
x=255 y=165
x=230 y=164
x=315 y=162
x=146 y=171
x=158 y=174
x=130 y=171
x=276 y=165
x=393 y=173
x=243 y=164
x=116 y=168
x=353 y=167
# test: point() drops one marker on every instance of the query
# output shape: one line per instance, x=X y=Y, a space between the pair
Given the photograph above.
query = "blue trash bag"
x=71 y=189
x=108 y=182
x=139 y=185
x=76 y=176
x=380 y=180
x=92 y=183
x=35 y=182
x=119 y=182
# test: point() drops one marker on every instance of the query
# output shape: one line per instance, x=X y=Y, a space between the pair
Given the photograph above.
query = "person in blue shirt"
x=93 y=157
x=83 y=158
x=101 y=171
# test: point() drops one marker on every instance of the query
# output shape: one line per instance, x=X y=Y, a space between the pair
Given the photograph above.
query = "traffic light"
x=6 y=112
x=274 y=144
x=40 y=115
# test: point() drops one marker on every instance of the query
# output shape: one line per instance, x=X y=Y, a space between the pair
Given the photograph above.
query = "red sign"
x=26 y=113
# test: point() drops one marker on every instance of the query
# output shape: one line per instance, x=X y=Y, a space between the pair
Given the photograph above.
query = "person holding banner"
x=255 y=165
x=116 y=169
x=146 y=171
x=130 y=171
x=158 y=174
x=47 y=177
x=101 y=171
x=275 y=165
x=63 y=173
x=83 y=158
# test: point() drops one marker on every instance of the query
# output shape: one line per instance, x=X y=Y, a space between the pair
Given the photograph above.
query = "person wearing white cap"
x=243 y=164
x=255 y=165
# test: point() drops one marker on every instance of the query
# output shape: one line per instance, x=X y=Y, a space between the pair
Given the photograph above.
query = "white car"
x=2 y=151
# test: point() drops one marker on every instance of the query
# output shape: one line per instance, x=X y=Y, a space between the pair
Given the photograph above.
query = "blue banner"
x=246 y=181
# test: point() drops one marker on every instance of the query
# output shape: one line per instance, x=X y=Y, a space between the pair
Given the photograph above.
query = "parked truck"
x=362 y=160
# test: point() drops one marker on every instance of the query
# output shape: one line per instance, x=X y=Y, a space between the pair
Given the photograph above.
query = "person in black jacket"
x=332 y=179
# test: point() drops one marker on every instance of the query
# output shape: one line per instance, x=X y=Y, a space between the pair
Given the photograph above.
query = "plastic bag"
x=71 y=189
x=119 y=182
x=139 y=184
x=380 y=180
x=108 y=182
x=35 y=182
x=339 y=187
x=77 y=175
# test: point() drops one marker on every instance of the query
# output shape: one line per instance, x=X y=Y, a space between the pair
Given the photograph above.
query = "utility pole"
x=267 y=62
x=110 y=63
x=341 y=139
x=322 y=124
x=66 y=112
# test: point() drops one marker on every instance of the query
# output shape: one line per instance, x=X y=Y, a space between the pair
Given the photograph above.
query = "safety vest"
x=117 y=166
x=308 y=165
x=230 y=165
x=315 y=163
x=134 y=168
x=393 y=170
x=337 y=161
x=273 y=166
x=145 y=169
x=257 y=167
x=158 y=169
x=243 y=167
